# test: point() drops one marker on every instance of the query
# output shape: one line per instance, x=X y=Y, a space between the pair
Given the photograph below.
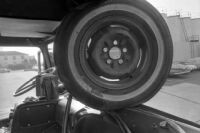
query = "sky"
x=185 y=7
x=32 y=51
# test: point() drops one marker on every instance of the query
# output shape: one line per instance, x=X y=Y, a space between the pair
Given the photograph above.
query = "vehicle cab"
x=85 y=67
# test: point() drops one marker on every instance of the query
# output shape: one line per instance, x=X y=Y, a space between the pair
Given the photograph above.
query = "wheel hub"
x=115 y=53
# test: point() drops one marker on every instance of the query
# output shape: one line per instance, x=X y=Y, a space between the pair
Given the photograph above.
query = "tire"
x=114 y=54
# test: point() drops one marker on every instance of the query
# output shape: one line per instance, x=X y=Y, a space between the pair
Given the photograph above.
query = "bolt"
x=124 y=50
x=115 y=42
x=105 y=49
x=108 y=61
x=163 y=124
x=120 y=61
x=154 y=125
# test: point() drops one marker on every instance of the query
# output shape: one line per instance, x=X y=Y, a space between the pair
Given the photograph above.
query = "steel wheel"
x=114 y=54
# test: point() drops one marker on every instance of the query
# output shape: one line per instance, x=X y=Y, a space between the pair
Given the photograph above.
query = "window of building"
x=14 y=57
x=22 y=57
x=5 y=58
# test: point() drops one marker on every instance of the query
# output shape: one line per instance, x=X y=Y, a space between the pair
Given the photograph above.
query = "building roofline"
x=8 y=53
x=195 y=18
x=173 y=16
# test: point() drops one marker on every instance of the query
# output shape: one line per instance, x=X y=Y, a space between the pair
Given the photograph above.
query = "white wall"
x=196 y=26
x=181 y=30
x=181 y=46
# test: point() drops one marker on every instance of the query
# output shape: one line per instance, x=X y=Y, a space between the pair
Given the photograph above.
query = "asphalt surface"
x=9 y=82
x=180 y=96
x=193 y=78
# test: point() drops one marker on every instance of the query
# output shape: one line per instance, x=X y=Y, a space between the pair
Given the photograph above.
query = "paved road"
x=9 y=82
x=193 y=78
x=180 y=96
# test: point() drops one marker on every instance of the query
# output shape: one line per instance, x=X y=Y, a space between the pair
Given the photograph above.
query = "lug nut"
x=108 y=61
x=105 y=49
x=124 y=50
x=115 y=42
x=120 y=61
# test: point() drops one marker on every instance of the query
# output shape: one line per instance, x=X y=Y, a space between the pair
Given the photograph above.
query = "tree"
x=32 y=61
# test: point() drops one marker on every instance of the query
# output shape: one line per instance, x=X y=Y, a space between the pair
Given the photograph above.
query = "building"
x=12 y=58
x=185 y=33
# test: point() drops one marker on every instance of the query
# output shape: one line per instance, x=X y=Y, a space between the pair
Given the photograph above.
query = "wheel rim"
x=114 y=56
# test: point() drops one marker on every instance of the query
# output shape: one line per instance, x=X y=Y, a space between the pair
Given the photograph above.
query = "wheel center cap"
x=115 y=53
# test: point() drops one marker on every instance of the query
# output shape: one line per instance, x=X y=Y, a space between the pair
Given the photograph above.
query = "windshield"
x=17 y=65
x=179 y=96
